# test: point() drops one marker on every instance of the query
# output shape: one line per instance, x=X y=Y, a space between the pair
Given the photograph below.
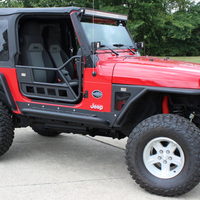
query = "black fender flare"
x=140 y=91
x=5 y=93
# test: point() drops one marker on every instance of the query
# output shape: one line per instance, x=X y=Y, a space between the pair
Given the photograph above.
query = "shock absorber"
x=169 y=107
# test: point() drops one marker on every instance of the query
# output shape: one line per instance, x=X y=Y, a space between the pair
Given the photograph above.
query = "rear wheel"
x=162 y=155
x=45 y=132
x=6 y=129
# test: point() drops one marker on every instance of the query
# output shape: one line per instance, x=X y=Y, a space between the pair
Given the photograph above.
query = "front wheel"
x=162 y=154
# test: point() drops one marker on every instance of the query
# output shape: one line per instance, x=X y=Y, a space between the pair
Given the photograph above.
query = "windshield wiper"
x=122 y=45
x=110 y=49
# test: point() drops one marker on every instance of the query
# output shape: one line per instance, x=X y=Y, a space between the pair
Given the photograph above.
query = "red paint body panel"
x=159 y=72
x=100 y=82
x=123 y=69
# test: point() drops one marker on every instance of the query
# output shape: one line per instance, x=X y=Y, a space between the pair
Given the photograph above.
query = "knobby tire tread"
x=191 y=133
x=6 y=129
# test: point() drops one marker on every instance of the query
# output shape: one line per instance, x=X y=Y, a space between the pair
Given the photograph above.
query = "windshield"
x=107 y=32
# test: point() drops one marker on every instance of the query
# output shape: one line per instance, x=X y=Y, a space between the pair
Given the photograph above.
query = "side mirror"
x=95 y=45
x=140 y=45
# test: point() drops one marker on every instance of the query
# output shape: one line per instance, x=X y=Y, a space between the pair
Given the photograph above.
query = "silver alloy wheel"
x=163 y=157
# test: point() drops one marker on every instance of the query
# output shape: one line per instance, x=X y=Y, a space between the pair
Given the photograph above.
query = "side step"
x=70 y=117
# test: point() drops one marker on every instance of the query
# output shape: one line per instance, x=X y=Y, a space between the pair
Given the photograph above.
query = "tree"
x=168 y=27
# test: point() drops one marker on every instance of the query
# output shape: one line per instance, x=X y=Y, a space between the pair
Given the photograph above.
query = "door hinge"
x=86 y=94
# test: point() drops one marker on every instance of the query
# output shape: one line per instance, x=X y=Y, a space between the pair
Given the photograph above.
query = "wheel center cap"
x=165 y=156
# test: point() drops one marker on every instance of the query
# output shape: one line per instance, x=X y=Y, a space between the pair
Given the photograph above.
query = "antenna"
x=93 y=72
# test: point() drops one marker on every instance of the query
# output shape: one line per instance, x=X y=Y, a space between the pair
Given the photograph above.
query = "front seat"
x=33 y=52
x=58 y=56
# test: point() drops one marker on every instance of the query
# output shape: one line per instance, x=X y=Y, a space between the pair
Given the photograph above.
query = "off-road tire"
x=6 y=129
x=175 y=128
x=45 y=132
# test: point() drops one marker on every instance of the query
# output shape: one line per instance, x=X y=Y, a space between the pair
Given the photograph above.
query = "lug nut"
x=167 y=151
x=161 y=151
x=170 y=158
x=159 y=158
x=165 y=162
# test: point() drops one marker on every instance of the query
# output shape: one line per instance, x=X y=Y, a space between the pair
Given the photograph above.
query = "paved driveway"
x=69 y=167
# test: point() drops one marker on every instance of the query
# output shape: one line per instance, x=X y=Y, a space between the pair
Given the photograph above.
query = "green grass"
x=195 y=59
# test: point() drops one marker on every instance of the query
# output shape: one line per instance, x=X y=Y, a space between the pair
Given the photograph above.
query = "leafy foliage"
x=168 y=27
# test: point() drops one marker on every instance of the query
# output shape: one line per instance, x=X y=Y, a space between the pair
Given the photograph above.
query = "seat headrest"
x=31 y=28
x=54 y=48
x=49 y=32
x=35 y=47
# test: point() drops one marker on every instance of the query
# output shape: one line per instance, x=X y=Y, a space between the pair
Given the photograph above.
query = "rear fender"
x=5 y=93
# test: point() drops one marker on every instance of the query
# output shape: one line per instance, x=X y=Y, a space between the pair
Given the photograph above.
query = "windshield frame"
x=118 y=22
x=86 y=48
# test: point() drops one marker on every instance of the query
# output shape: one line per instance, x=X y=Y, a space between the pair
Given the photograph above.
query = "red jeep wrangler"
x=78 y=70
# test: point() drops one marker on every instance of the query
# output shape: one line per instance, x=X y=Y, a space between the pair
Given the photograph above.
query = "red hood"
x=151 y=71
